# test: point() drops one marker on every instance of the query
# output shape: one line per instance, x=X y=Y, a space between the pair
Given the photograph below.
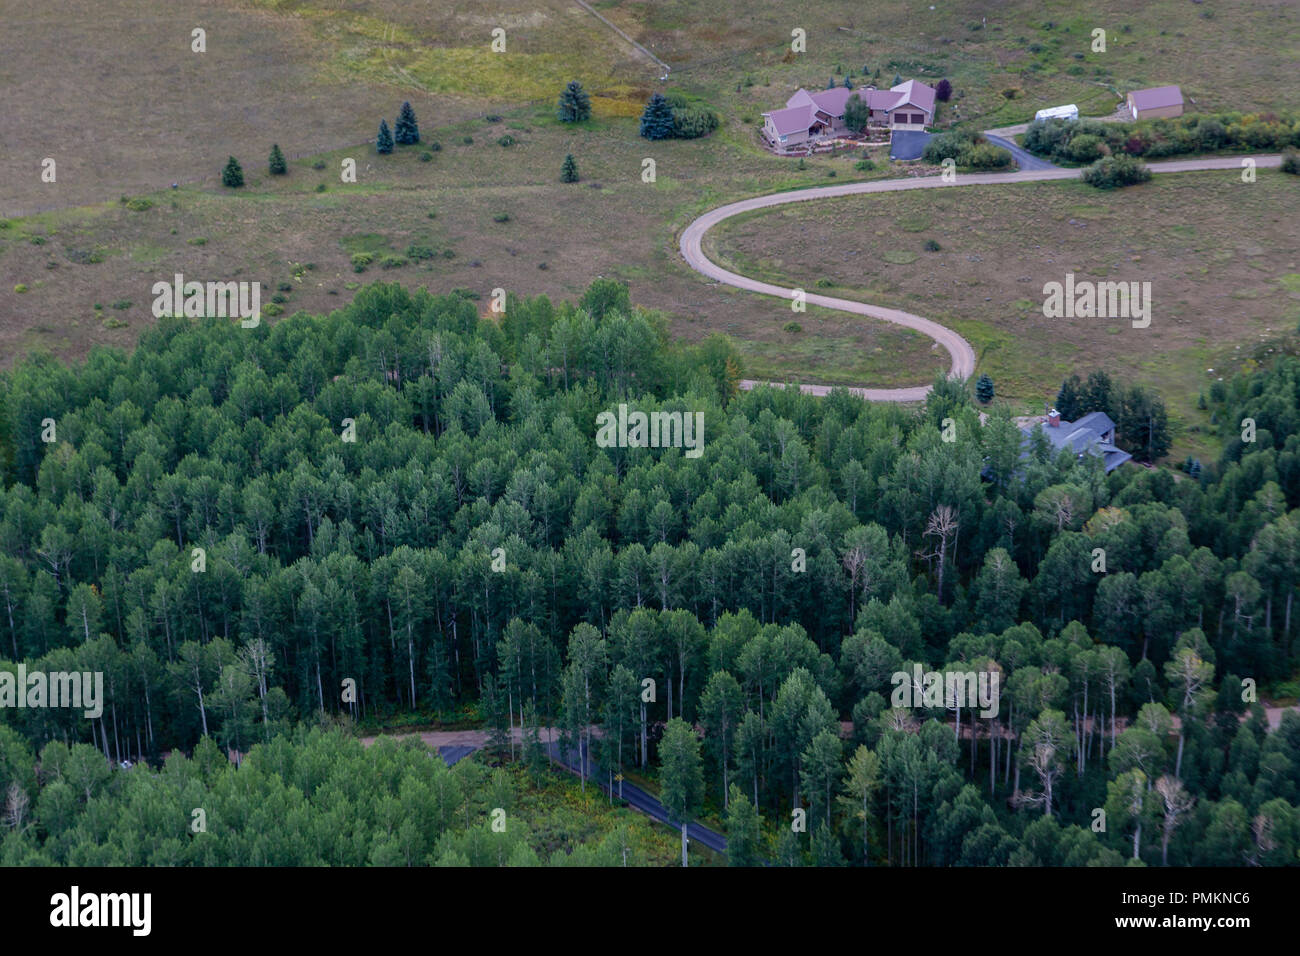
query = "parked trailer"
x=1070 y=112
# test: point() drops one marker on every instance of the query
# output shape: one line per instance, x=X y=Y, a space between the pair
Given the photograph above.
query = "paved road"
x=963 y=356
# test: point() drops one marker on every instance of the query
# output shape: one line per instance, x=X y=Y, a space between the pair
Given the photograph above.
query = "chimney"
x=1054 y=418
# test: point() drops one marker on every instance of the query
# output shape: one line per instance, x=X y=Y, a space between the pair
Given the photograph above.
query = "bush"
x=232 y=175
x=864 y=165
x=392 y=262
x=988 y=156
x=932 y=246
x=138 y=205
x=20 y=287
x=318 y=164
x=1111 y=172
x=198 y=241
x=426 y=156
x=418 y=253
x=320 y=187
x=122 y=304
x=1291 y=162
x=37 y=240
x=506 y=140
x=279 y=298
x=943 y=91
x=1085 y=149
x=360 y=260
x=285 y=287
x=275 y=162
x=272 y=309
x=501 y=217
x=467 y=140
x=692 y=123
x=435 y=147
x=792 y=327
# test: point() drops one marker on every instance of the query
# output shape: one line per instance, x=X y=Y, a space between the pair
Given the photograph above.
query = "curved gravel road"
x=963 y=356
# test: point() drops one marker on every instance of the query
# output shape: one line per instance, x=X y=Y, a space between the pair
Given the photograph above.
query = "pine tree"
x=898 y=78
x=569 y=171
x=848 y=83
x=943 y=91
x=233 y=174
x=276 y=163
x=575 y=104
x=830 y=84
x=984 y=389
x=407 y=130
x=657 y=120
x=384 y=142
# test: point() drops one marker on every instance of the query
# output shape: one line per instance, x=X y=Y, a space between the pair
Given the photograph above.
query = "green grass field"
x=129 y=118
x=1221 y=256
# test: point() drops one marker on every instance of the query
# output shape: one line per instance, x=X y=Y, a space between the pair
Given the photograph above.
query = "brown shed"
x=1157 y=101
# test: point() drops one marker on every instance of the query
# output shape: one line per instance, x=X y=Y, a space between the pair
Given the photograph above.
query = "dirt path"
x=963 y=356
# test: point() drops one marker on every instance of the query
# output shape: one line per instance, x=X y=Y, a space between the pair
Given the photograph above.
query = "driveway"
x=963 y=356
x=908 y=144
x=1024 y=159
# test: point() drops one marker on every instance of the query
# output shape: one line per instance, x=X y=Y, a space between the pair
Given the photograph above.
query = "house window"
x=783 y=139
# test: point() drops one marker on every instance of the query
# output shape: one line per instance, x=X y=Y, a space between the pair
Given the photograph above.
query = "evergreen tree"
x=407 y=130
x=943 y=91
x=898 y=78
x=848 y=83
x=276 y=163
x=856 y=113
x=574 y=105
x=569 y=171
x=830 y=84
x=233 y=174
x=384 y=142
x=657 y=119
x=984 y=389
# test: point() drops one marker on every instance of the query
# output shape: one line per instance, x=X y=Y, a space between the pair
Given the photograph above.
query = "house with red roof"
x=809 y=117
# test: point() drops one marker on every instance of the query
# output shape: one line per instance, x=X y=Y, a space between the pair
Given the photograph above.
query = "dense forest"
x=238 y=527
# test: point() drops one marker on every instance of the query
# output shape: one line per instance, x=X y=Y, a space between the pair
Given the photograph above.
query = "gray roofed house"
x=1093 y=434
x=808 y=117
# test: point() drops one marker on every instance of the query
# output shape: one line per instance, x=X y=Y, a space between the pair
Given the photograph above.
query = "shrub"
x=122 y=304
x=467 y=140
x=932 y=246
x=1085 y=149
x=37 y=240
x=275 y=162
x=418 y=253
x=279 y=297
x=501 y=217
x=506 y=140
x=232 y=175
x=384 y=141
x=864 y=165
x=426 y=156
x=20 y=287
x=792 y=327
x=987 y=156
x=1291 y=162
x=435 y=147
x=320 y=187
x=492 y=117
x=692 y=123
x=1111 y=172
x=285 y=287
x=574 y=105
x=392 y=262
x=138 y=205
x=943 y=91
x=318 y=164
x=360 y=260
x=198 y=241
x=272 y=309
